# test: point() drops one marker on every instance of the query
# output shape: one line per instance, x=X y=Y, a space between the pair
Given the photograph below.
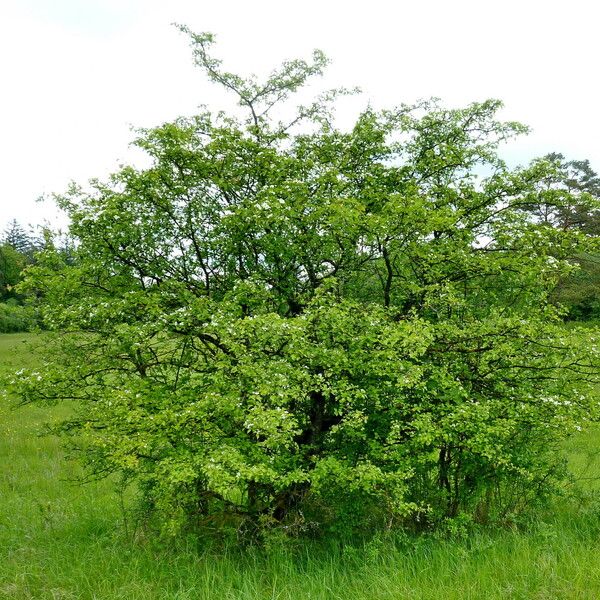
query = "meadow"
x=63 y=540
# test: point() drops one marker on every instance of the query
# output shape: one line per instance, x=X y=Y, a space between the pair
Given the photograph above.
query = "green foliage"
x=315 y=329
x=59 y=540
x=569 y=198
x=18 y=239
x=569 y=195
x=579 y=292
x=12 y=264
x=15 y=318
x=15 y=256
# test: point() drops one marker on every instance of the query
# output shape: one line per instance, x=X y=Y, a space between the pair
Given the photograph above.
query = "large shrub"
x=282 y=323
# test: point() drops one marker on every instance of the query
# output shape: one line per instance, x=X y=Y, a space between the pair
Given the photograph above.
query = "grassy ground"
x=59 y=540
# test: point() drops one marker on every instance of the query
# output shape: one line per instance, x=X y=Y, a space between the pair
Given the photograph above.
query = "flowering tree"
x=285 y=323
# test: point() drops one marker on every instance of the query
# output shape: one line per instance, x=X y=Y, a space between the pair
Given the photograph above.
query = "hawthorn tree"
x=283 y=323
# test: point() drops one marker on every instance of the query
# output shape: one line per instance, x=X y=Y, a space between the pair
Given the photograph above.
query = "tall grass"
x=61 y=540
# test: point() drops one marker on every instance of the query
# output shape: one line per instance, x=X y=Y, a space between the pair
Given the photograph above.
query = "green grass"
x=59 y=540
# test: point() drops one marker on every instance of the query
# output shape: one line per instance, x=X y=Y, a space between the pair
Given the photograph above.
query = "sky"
x=77 y=75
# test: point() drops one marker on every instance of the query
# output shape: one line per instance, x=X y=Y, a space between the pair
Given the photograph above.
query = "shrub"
x=317 y=329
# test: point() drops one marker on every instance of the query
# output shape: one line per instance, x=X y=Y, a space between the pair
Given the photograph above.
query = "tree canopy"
x=282 y=323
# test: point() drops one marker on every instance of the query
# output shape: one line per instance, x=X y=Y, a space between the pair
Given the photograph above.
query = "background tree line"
x=17 y=251
x=19 y=248
x=572 y=201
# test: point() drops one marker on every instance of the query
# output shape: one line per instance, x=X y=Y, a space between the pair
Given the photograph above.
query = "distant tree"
x=584 y=184
x=17 y=238
x=314 y=328
x=568 y=198
x=12 y=264
x=568 y=195
x=579 y=291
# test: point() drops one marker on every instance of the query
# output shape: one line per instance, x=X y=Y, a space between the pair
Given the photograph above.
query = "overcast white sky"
x=76 y=74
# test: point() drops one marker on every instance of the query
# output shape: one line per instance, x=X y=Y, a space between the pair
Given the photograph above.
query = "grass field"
x=59 y=540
